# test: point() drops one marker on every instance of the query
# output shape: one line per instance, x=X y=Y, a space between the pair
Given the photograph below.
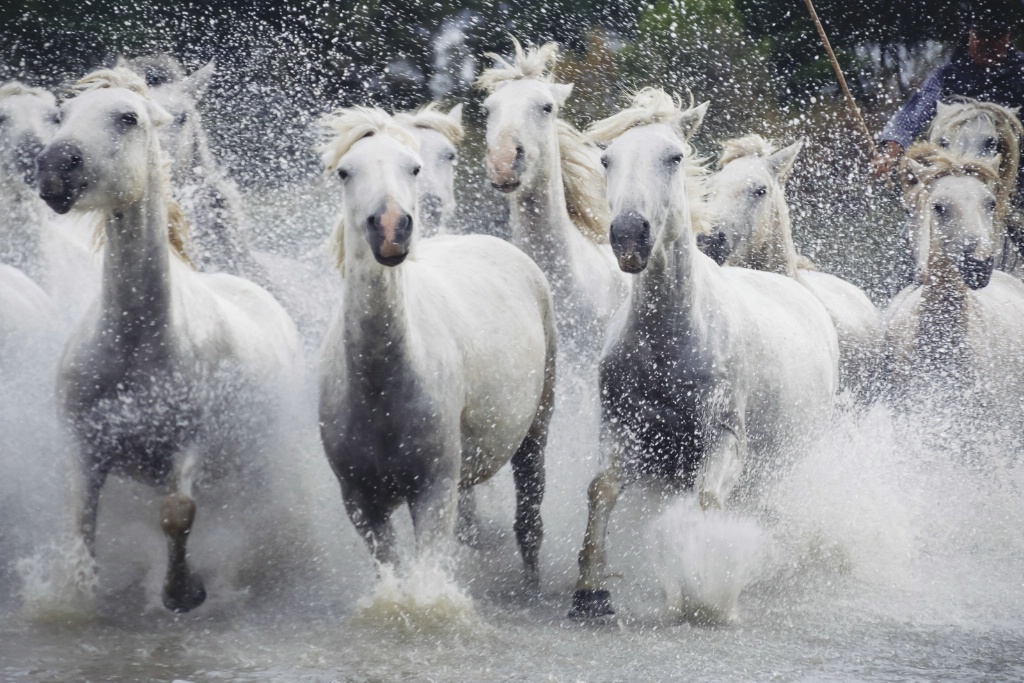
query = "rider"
x=988 y=69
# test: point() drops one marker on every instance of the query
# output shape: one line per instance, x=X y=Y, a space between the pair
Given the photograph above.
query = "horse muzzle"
x=631 y=241
x=715 y=246
x=389 y=232
x=60 y=176
x=505 y=167
x=976 y=272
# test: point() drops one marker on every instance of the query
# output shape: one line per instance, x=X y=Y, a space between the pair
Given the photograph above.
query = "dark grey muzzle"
x=976 y=272
x=61 y=176
x=631 y=241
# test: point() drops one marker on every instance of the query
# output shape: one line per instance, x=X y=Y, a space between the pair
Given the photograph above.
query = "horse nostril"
x=71 y=163
x=520 y=152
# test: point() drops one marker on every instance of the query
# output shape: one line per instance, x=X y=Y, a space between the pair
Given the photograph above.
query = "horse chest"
x=663 y=408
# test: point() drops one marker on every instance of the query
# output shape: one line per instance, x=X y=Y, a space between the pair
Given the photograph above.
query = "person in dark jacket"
x=987 y=68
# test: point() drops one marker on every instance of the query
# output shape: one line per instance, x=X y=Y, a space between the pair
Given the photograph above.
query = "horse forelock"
x=17 y=88
x=346 y=127
x=430 y=118
x=535 y=62
x=118 y=77
x=752 y=145
x=934 y=163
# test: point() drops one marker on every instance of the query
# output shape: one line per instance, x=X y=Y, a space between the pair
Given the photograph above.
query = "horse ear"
x=198 y=81
x=781 y=162
x=689 y=121
x=157 y=114
x=121 y=63
x=941 y=107
x=455 y=114
x=561 y=91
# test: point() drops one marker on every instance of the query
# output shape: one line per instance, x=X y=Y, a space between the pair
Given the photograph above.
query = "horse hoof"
x=181 y=599
x=591 y=604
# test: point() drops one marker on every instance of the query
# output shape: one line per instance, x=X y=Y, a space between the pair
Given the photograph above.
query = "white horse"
x=437 y=135
x=210 y=199
x=167 y=377
x=751 y=228
x=440 y=366
x=959 y=335
x=551 y=174
x=703 y=364
x=972 y=130
x=32 y=238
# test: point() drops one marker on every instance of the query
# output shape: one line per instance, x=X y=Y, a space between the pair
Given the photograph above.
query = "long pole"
x=842 y=79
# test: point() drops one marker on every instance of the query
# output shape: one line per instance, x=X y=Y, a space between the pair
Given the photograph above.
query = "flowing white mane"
x=429 y=118
x=177 y=222
x=747 y=146
x=535 y=62
x=346 y=127
x=16 y=88
x=654 y=105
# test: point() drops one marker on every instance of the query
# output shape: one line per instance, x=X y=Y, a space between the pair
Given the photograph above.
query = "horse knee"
x=177 y=513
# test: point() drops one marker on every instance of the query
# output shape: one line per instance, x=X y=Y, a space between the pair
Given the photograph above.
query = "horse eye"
x=604 y=161
x=416 y=170
x=944 y=143
x=129 y=119
x=940 y=209
x=990 y=205
x=181 y=118
x=760 y=191
x=55 y=118
x=991 y=144
x=450 y=156
x=675 y=159
x=343 y=174
x=548 y=108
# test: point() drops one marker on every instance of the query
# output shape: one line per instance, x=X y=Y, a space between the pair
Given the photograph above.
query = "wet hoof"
x=185 y=597
x=591 y=604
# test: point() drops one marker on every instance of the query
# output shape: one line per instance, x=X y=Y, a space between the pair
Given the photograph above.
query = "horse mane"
x=158 y=69
x=17 y=88
x=177 y=223
x=344 y=128
x=651 y=106
x=536 y=62
x=583 y=183
x=429 y=118
x=938 y=163
x=752 y=145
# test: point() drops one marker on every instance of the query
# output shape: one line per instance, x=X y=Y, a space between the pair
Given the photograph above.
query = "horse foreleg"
x=722 y=467
x=434 y=508
x=528 y=473
x=183 y=590
x=591 y=598
x=88 y=505
x=467 y=526
x=372 y=521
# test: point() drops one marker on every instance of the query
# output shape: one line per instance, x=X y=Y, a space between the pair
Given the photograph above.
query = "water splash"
x=704 y=559
x=58 y=583
x=423 y=598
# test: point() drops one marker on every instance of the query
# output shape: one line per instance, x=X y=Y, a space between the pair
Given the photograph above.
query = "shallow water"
x=877 y=557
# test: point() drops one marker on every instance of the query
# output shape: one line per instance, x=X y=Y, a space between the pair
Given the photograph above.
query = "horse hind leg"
x=183 y=589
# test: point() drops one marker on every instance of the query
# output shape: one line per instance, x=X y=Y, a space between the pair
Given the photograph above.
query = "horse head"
x=101 y=155
x=747 y=200
x=179 y=95
x=378 y=164
x=437 y=135
x=646 y=163
x=28 y=119
x=957 y=205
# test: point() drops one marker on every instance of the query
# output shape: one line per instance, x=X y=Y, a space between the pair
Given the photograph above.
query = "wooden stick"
x=842 y=80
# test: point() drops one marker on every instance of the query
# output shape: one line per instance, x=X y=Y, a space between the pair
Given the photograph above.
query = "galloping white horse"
x=972 y=130
x=440 y=366
x=703 y=363
x=550 y=172
x=32 y=238
x=751 y=228
x=210 y=199
x=167 y=377
x=437 y=135
x=961 y=331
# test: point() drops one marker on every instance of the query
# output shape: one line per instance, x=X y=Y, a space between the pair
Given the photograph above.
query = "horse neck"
x=195 y=165
x=376 y=312
x=774 y=252
x=665 y=297
x=136 y=286
x=540 y=220
x=23 y=220
x=942 y=323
